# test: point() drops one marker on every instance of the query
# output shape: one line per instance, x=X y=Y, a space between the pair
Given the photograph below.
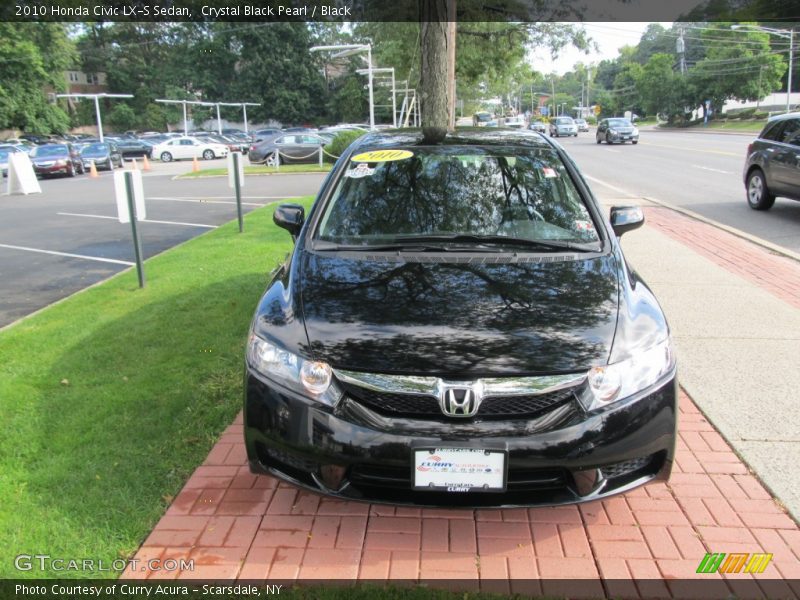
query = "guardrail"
x=273 y=158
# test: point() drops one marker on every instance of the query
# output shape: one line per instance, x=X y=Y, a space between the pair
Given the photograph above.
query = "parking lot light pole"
x=96 y=105
x=394 y=102
x=184 y=102
x=244 y=106
x=786 y=34
x=347 y=50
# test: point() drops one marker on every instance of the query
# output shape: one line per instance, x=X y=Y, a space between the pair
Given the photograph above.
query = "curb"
x=774 y=248
x=702 y=132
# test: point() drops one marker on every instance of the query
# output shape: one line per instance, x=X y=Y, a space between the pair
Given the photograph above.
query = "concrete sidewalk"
x=734 y=309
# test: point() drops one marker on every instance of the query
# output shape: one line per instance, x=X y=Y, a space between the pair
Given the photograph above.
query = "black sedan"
x=104 y=156
x=57 y=159
x=616 y=131
x=457 y=326
x=287 y=148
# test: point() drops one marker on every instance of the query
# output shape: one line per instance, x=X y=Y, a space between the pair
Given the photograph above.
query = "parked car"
x=482 y=118
x=772 y=167
x=4 y=152
x=582 y=125
x=457 y=325
x=563 y=126
x=105 y=156
x=617 y=130
x=538 y=126
x=287 y=148
x=517 y=122
x=134 y=148
x=54 y=159
x=188 y=147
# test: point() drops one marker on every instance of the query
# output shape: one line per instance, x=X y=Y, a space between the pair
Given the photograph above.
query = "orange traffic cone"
x=145 y=163
x=93 y=171
x=135 y=166
x=195 y=165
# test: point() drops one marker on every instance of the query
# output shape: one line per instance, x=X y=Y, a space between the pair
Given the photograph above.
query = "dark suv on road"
x=457 y=326
x=772 y=167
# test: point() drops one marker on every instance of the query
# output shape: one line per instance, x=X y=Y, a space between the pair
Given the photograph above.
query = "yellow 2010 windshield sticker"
x=382 y=156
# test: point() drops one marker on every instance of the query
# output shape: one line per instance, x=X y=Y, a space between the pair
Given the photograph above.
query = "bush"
x=340 y=143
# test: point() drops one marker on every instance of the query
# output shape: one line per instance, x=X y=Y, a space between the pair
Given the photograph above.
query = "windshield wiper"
x=552 y=245
x=324 y=246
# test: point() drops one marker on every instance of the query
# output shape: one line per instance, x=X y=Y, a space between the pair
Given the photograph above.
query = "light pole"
x=347 y=50
x=184 y=103
x=96 y=105
x=394 y=103
x=786 y=34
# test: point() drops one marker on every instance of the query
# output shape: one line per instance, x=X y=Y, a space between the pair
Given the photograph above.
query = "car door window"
x=310 y=139
x=789 y=131
x=187 y=143
x=772 y=131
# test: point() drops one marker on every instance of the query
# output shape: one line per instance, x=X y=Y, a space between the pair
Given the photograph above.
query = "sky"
x=609 y=36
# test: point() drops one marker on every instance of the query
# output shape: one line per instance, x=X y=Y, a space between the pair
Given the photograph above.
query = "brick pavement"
x=646 y=543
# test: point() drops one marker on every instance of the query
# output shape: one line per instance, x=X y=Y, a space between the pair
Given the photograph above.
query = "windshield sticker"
x=362 y=170
x=382 y=156
x=584 y=226
x=548 y=172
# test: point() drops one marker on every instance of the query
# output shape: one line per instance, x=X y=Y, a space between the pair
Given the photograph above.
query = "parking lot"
x=68 y=237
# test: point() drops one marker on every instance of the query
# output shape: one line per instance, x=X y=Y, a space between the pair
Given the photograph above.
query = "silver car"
x=563 y=126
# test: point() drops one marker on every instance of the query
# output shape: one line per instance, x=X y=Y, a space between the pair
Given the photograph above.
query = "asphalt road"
x=697 y=171
x=78 y=217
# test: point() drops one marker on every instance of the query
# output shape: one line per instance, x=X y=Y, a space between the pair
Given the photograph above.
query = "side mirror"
x=626 y=218
x=290 y=217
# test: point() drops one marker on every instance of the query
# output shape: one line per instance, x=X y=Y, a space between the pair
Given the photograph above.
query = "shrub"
x=340 y=143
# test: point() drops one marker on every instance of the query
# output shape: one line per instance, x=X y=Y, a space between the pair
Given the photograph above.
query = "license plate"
x=459 y=470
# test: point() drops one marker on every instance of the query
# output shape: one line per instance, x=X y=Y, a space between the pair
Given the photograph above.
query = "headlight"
x=635 y=131
x=313 y=379
x=613 y=131
x=624 y=379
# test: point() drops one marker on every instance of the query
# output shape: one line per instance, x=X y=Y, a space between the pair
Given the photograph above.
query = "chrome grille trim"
x=429 y=386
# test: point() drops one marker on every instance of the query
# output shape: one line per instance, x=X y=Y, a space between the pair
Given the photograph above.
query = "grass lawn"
x=259 y=170
x=109 y=400
x=734 y=125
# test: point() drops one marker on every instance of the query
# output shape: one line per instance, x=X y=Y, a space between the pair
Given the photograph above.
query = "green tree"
x=33 y=58
x=122 y=117
x=660 y=88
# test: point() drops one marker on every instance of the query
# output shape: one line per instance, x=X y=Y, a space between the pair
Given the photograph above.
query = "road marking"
x=204 y=201
x=66 y=214
x=714 y=170
x=68 y=255
x=723 y=153
x=611 y=187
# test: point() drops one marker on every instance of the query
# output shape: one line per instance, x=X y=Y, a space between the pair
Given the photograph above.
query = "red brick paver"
x=235 y=525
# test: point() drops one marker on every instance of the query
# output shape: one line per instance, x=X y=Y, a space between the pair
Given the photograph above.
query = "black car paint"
x=414 y=315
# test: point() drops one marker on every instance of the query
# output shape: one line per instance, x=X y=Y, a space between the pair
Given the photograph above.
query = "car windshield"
x=483 y=117
x=95 y=149
x=507 y=192
x=619 y=123
x=564 y=120
x=41 y=151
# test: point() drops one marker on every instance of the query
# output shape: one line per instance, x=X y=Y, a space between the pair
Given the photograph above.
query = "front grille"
x=394 y=404
x=530 y=404
x=426 y=406
x=399 y=477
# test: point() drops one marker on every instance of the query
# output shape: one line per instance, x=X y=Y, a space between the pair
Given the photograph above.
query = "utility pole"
x=680 y=47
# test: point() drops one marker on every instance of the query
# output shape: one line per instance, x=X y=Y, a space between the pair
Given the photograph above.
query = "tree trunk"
x=434 y=72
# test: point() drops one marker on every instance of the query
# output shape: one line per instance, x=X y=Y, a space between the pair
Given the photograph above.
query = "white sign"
x=21 y=177
x=122 y=195
x=231 y=170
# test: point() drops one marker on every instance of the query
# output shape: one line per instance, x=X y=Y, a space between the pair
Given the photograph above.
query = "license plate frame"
x=456 y=478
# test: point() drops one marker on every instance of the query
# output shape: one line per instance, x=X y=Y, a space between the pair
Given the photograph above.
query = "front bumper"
x=354 y=453
x=624 y=137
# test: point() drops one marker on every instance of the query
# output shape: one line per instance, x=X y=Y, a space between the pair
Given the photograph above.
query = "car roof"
x=466 y=136
x=783 y=117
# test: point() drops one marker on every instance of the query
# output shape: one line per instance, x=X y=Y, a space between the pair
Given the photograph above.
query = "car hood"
x=472 y=318
x=48 y=159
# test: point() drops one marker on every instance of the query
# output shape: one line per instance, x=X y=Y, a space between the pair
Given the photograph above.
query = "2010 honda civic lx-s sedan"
x=457 y=326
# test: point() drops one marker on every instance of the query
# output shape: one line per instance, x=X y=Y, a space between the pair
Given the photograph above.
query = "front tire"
x=758 y=194
x=166 y=157
x=71 y=170
x=608 y=140
x=634 y=142
x=208 y=155
x=598 y=140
